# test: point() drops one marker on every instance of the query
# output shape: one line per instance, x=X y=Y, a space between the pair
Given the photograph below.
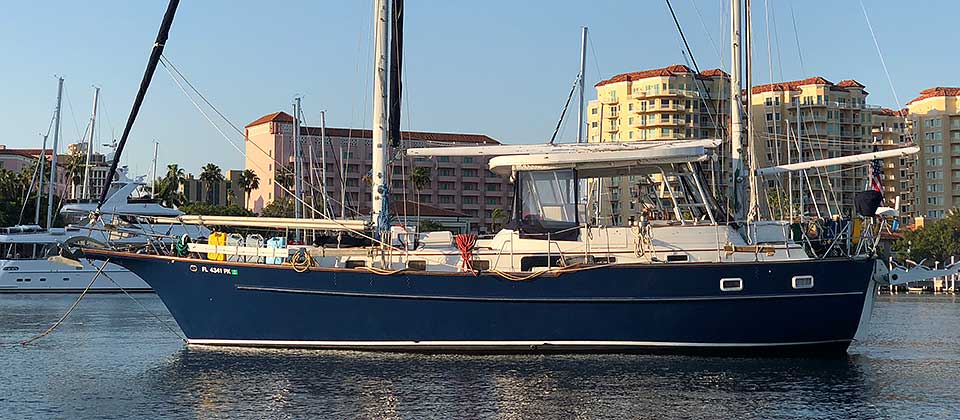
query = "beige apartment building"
x=892 y=130
x=812 y=119
x=670 y=103
x=935 y=120
x=461 y=185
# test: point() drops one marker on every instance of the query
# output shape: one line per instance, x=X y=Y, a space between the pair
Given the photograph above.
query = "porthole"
x=731 y=285
x=802 y=282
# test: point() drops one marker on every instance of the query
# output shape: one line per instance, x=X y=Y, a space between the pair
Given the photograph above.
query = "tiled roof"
x=714 y=73
x=934 y=92
x=30 y=153
x=637 y=75
x=359 y=133
x=892 y=113
x=850 y=83
x=275 y=117
x=792 y=85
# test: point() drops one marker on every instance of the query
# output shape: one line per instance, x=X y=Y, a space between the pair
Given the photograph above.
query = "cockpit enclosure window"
x=548 y=205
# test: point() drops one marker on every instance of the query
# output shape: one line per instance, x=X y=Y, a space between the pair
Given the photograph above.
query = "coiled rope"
x=301 y=261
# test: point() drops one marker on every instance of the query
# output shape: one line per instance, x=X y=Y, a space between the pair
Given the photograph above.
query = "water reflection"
x=231 y=382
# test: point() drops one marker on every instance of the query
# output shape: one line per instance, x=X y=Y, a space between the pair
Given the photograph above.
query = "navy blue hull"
x=677 y=306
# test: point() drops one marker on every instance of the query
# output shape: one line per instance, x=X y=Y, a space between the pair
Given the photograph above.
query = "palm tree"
x=420 y=178
x=285 y=176
x=249 y=181
x=498 y=215
x=168 y=187
x=75 y=166
x=210 y=174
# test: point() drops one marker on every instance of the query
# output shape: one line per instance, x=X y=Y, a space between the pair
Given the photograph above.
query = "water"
x=111 y=359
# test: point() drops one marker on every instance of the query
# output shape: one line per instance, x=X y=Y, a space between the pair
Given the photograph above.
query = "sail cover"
x=589 y=159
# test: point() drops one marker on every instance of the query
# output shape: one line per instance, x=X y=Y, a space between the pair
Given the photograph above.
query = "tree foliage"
x=214 y=210
x=249 y=181
x=428 y=225
x=281 y=207
x=168 y=187
x=937 y=241
x=210 y=175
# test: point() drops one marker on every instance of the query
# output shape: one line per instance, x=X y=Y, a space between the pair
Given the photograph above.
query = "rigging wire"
x=172 y=69
x=880 y=54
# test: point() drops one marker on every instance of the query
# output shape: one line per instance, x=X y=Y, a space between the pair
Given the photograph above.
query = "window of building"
x=593 y=111
x=443 y=159
x=492 y=187
x=469 y=199
x=593 y=124
x=492 y=201
x=935 y=188
x=424 y=198
x=444 y=186
x=934 y=161
x=470 y=186
x=469 y=172
x=445 y=199
x=468 y=159
x=446 y=172
x=353 y=182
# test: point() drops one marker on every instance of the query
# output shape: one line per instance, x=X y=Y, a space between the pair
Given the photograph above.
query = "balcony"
x=610 y=100
x=612 y=115
x=685 y=93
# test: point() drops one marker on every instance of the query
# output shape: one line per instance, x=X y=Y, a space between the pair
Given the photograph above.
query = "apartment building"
x=891 y=129
x=810 y=119
x=935 y=119
x=670 y=103
x=223 y=193
x=458 y=184
x=99 y=167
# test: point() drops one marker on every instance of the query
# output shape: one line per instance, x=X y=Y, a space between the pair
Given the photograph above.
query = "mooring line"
x=72 y=307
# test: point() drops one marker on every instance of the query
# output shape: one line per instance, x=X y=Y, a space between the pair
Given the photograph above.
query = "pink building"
x=16 y=160
x=462 y=185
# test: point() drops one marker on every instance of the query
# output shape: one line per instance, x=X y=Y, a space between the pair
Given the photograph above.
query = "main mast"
x=581 y=80
x=379 y=170
x=736 y=107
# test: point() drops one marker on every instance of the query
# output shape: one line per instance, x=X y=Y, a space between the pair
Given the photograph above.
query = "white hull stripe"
x=491 y=344
x=510 y=299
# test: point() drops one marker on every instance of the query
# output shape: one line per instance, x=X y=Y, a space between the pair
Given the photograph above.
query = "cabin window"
x=548 y=204
x=731 y=285
x=802 y=282
x=419 y=265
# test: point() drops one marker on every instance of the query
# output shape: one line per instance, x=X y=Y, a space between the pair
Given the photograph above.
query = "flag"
x=876 y=175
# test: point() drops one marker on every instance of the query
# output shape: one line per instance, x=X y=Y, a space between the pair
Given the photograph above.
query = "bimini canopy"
x=589 y=159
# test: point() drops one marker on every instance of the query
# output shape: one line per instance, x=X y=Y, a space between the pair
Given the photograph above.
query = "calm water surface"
x=111 y=359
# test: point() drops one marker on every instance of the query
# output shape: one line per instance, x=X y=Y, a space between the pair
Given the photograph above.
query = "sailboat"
x=691 y=276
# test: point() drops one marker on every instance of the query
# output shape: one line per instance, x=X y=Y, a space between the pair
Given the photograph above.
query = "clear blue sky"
x=497 y=67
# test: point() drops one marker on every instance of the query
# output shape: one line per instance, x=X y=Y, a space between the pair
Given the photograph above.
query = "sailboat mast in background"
x=52 y=187
x=93 y=127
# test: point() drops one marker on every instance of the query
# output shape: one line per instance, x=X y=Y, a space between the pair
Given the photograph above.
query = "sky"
x=502 y=68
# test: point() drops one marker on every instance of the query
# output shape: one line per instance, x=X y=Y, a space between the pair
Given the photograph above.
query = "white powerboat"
x=25 y=251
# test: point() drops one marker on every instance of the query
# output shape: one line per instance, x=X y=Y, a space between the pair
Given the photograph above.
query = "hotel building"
x=670 y=103
x=462 y=185
x=935 y=119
